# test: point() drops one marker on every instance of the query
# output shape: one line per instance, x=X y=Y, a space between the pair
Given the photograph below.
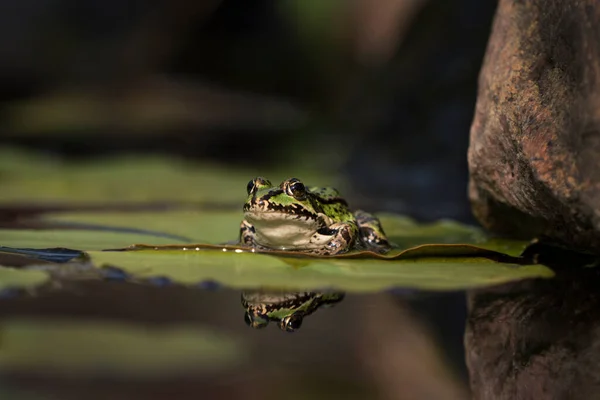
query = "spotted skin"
x=310 y=220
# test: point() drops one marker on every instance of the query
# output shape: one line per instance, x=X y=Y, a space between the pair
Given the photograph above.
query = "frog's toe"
x=247 y=233
x=371 y=232
x=335 y=247
x=373 y=241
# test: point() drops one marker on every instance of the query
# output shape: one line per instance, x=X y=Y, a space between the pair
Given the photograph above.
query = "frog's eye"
x=290 y=323
x=258 y=183
x=296 y=189
x=250 y=186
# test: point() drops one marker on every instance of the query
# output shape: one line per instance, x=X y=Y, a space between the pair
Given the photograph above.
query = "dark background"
x=381 y=91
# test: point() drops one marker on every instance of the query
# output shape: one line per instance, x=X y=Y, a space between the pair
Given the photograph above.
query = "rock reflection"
x=287 y=309
x=536 y=339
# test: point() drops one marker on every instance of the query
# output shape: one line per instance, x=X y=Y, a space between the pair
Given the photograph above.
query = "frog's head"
x=291 y=198
x=283 y=215
x=287 y=309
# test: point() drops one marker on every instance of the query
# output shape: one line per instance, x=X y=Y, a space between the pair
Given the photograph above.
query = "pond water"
x=363 y=346
x=456 y=315
x=98 y=337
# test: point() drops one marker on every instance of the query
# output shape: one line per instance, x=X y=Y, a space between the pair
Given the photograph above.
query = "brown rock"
x=534 y=155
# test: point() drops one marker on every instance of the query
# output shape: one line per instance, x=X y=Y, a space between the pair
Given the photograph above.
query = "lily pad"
x=201 y=227
x=428 y=256
x=72 y=239
x=127 y=179
x=425 y=265
x=75 y=348
x=249 y=270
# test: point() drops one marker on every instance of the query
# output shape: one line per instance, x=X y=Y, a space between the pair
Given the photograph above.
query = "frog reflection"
x=288 y=309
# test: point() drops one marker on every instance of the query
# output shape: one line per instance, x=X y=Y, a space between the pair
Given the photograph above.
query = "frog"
x=287 y=309
x=314 y=220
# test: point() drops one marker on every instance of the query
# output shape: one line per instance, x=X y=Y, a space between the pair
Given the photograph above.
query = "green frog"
x=313 y=220
x=288 y=309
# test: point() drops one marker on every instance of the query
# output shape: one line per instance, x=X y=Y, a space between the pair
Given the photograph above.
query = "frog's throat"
x=288 y=231
x=271 y=217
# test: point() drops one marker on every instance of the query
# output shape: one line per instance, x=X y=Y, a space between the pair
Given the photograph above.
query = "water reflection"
x=536 y=339
x=385 y=353
x=287 y=309
x=378 y=345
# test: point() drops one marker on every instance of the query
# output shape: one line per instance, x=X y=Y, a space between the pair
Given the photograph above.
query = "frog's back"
x=332 y=203
x=325 y=193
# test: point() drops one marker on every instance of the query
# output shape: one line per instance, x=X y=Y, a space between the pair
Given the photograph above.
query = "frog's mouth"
x=282 y=217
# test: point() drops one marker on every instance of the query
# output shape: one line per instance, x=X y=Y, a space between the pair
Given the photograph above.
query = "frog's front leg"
x=371 y=232
x=342 y=238
x=247 y=234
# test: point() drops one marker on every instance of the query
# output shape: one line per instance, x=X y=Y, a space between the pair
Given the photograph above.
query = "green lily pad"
x=198 y=226
x=73 y=239
x=250 y=270
x=75 y=348
x=406 y=233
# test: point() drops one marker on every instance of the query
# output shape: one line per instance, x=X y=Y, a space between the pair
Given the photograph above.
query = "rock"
x=534 y=154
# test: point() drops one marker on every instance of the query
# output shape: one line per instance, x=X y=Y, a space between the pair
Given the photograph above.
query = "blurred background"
x=381 y=92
